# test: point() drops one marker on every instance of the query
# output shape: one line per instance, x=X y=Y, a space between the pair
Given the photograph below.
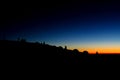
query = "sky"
x=84 y=25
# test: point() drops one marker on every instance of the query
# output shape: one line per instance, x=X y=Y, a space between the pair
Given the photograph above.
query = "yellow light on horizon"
x=102 y=50
x=100 y=47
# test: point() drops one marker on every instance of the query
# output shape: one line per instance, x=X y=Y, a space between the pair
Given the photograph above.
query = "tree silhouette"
x=75 y=51
x=85 y=52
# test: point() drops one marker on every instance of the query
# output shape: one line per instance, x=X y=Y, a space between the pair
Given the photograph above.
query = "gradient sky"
x=85 y=25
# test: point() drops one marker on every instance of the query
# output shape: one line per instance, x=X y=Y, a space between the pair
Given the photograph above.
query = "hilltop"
x=22 y=50
x=41 y=53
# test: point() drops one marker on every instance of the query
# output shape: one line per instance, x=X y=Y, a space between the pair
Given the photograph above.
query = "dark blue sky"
x=84 y=25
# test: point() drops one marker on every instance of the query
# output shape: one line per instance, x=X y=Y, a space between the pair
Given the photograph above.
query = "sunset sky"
x=85 y=25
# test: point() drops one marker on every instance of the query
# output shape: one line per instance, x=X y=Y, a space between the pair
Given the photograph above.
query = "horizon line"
x=106 y=53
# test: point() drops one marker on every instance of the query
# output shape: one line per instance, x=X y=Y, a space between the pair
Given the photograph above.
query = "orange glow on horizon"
x=103 y=50
x=100 y=47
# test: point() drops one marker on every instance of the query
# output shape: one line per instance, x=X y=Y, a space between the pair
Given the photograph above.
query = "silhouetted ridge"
x=27 y=53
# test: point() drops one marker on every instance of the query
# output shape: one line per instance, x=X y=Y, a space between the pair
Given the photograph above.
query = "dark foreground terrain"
x=20 y=58
x=21 y=52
